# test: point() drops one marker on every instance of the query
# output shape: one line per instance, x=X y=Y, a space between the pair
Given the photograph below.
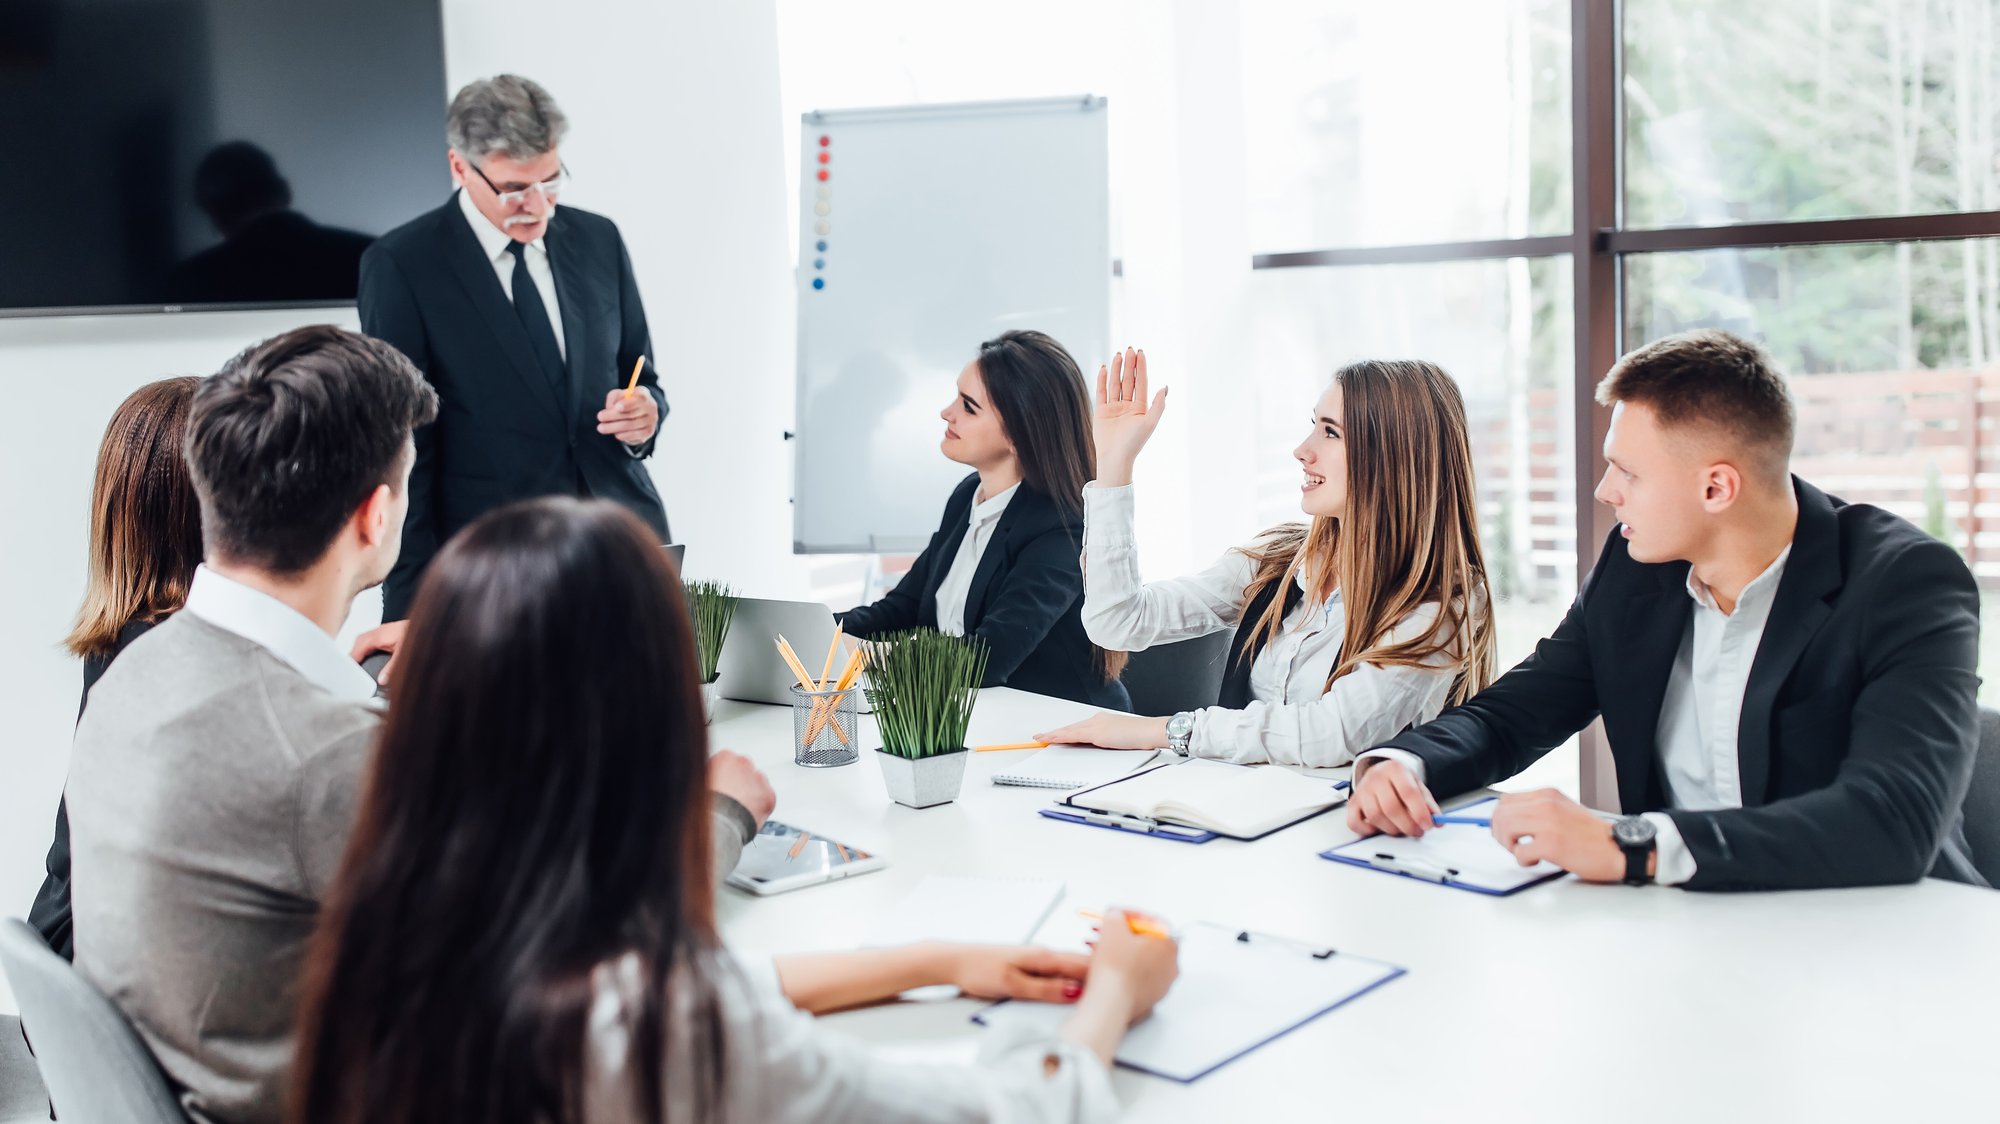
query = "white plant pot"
x=923 y=782
x=709 y=698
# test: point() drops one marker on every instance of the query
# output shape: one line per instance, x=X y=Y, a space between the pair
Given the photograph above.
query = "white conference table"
x=1565 y=1002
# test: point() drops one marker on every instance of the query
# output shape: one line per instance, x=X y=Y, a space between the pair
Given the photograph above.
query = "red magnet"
x=822 y=174
x=825 y=157
x=825 y=140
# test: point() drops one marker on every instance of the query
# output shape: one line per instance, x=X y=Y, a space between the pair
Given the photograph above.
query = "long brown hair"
x=1410 y=534
x=1032 y=380
x=537 y=808
x=145 y=523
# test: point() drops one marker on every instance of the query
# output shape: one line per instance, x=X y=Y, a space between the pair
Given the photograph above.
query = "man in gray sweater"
x=216 y=771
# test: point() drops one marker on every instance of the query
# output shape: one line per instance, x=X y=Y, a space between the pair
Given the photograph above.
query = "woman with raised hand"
x=1370 y=617
x=523 y=927
x=1003 y=563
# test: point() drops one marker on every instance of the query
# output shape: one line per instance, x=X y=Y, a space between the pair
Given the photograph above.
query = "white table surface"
x=1564 y=1002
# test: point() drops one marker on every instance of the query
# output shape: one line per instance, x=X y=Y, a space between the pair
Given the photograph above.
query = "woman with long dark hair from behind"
x=1003 y=563
x=523 y=927
x=145 y=541
x=1368 y=618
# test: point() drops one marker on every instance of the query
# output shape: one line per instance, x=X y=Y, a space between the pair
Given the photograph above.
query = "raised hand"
x=1125 y=418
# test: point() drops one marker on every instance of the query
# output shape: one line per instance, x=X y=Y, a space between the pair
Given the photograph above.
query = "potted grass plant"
x=712 y=605
x=922 y=685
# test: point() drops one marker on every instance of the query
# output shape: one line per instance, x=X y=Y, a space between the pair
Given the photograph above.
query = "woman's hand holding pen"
x=1125 y=420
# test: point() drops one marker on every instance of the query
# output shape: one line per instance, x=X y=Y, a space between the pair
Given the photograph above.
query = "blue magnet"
x=819 y=263
x=819 y=282
x=820 y=245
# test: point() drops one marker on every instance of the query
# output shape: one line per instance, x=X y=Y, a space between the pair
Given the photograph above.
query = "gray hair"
x=507 y=114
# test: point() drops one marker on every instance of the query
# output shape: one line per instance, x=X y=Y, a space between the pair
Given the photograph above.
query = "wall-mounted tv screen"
x=183 y=154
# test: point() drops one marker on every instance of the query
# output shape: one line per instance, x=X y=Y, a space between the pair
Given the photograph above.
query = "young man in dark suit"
x=1787 y=681
x=526 y=319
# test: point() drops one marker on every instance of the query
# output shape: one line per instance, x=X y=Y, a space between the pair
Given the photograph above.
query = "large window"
x=1820 y=175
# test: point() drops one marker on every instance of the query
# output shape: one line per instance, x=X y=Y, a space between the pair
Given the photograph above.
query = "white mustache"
x=522 y=220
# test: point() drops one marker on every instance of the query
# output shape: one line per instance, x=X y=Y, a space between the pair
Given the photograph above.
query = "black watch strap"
x=1640 y=842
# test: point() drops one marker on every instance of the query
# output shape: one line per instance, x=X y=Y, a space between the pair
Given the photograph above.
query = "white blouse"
x=1293 y=718
x=783 y=1067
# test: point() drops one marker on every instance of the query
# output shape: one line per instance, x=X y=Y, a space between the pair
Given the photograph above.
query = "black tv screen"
x=173 y=154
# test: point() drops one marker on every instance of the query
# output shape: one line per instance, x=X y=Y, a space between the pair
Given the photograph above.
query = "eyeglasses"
x=549 y=188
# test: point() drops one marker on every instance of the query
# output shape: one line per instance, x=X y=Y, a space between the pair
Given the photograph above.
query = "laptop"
x=677 y=553
x=750 y=668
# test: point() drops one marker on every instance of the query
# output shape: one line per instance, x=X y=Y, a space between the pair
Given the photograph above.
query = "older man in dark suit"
x=526 y=319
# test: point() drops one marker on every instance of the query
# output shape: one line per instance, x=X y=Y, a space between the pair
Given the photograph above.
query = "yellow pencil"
x=848 y=674
x=832 y=650
x=818 y=716
x=1008 y=746
x=1140 y=926
x=636 y=364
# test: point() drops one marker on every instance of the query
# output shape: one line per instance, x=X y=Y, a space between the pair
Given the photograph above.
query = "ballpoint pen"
x=1476 y=821
x=1415 y=868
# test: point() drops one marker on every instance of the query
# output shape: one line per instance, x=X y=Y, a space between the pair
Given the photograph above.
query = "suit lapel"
x=989 y=562
x=1650 y=643
x=570 y=298
x=1812 y=574
x=482 y=285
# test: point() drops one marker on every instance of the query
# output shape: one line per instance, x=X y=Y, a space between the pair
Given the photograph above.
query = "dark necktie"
x=535 y=317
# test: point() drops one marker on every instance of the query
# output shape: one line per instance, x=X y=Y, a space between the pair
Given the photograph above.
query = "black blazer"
x=50 y=915
x=1026 y=598
x=1859 y=723
x=503 y=432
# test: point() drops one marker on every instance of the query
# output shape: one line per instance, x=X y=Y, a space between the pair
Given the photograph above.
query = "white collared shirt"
x=279 y=629
x=495 y=241
x=957 y=583
x=1293 y=718
x=1700 y=714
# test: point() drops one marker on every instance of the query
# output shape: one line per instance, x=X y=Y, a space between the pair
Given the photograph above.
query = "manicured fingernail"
x=1072 y=990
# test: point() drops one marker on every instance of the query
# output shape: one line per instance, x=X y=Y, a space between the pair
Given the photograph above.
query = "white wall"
x=675 y=135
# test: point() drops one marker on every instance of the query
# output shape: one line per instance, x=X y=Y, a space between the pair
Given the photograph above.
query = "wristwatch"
x=1180 y=730
x=1635 y=836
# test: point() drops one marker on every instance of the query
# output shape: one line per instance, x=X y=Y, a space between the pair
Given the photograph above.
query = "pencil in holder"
x=823 y=726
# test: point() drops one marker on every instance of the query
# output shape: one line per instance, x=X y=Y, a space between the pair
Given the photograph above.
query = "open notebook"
x=1242 y=801
x=1072 y=766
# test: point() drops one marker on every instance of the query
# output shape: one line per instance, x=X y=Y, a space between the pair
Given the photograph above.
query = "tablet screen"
x=781 y=851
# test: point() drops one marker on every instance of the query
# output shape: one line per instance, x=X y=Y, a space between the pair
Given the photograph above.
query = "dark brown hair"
x=537 y=809
x=290 y=437
x=1410 y=535
x=1714 y=380
x=1044 y=407
x=145 y=523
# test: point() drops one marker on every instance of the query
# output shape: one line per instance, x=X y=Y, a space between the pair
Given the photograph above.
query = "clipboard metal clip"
x=1246 y=937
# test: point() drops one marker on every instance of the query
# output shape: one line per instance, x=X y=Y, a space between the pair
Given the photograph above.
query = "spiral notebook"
x=1073 y=766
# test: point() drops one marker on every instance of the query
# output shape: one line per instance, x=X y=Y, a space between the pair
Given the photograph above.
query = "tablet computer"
x=782 y=857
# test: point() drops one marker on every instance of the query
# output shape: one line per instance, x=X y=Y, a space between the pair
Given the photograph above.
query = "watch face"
x=1180 y=726
x=1632 y=830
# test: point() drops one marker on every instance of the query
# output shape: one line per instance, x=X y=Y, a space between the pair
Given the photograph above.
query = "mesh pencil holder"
x=823 y=727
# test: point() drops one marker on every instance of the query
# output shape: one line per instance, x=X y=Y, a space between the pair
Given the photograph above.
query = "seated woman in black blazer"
x=1004 y=563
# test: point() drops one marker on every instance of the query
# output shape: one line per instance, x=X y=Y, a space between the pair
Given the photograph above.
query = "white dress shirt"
x=957 y=583
x=1294 y=718
x=495 y=241
x=280 y=629
x=783 y=1067
x=1700 y=713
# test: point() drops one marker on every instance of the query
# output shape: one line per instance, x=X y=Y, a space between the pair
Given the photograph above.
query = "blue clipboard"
x=1363 y=853
x=1366 y=976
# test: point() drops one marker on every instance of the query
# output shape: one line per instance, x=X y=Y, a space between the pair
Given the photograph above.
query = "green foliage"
x=713 y=606
x=922 y=685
